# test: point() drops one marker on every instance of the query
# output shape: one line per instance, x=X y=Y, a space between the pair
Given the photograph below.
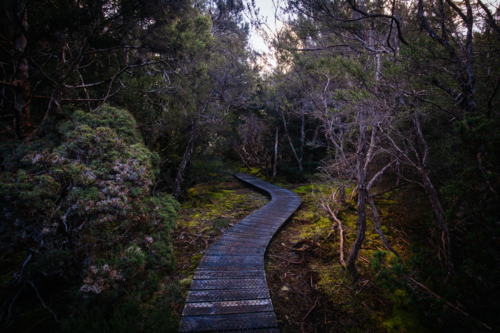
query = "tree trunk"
x=360 y=236
x=439 y=212
x=362 y=194
x=302 y=138
x=419 y=143
x=291 y=144
x=185 y=158
x=21 y=73
x=379 y=229
x=275 y=154
x=267 y=163
x=51 y=110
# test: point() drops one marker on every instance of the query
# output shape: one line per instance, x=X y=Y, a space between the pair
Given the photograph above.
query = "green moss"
x=256 y=172
x=348 y=219
x=186 y=282
x=319 y=228
x=303 y=189
x=196 y=258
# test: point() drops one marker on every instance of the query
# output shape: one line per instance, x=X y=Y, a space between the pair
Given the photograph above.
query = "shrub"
x=77 y=203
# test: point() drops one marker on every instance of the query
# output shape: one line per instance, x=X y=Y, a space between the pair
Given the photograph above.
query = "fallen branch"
x=354 y=192
x=196 y=235
x=316 y=302
x=364 y=259
x=326 y=206
x=379 y=229
x=357 y=292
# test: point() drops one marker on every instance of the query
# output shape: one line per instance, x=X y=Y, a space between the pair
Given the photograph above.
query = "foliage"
x=389 y=277
x=82 y=195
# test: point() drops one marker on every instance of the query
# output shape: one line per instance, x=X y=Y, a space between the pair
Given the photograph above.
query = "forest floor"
x=310 y=290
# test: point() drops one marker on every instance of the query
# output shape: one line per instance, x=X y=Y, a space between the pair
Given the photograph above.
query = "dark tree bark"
x=267 y=163
x=342 y=195
x=19 y=27
x=302 y=137
x=421 y=151
x=379 y=229
x=51 y=110
x=187 y=154
x=299 y=160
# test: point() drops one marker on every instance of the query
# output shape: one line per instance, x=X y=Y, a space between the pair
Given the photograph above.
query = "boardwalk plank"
x=228 y=307
x=211 y=275
x=229 y=284
x=240 y=321
x=195 y=296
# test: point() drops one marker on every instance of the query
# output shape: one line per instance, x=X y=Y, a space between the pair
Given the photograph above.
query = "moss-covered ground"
x=310 y=290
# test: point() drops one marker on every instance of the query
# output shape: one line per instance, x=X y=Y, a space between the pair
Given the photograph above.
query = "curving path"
x=229 y=290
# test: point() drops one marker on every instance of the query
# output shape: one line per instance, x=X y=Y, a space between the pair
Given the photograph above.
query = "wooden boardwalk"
x=229 y=289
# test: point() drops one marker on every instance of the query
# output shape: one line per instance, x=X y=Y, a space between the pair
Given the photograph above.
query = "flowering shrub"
x=78 y=202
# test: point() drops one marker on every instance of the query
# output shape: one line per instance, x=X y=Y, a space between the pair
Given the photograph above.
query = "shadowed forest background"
x=123 y=122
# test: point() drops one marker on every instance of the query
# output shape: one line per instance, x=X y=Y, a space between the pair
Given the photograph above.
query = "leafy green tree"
x=77 y=51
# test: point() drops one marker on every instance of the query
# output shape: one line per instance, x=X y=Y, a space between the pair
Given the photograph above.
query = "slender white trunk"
x=275 y=154
x=291 y=143
x=361 y=178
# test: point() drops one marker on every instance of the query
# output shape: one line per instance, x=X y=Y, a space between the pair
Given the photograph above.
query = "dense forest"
x=122 y=123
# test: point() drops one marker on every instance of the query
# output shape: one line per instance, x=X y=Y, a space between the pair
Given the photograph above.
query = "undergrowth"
x=386 y=298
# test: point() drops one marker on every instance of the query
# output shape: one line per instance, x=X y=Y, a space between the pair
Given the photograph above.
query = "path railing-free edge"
x=229 y=290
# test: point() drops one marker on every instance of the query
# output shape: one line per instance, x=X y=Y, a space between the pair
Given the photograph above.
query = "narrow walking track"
x=229 y=290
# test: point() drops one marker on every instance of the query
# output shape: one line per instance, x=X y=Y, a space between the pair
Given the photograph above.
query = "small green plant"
x=389 y=273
